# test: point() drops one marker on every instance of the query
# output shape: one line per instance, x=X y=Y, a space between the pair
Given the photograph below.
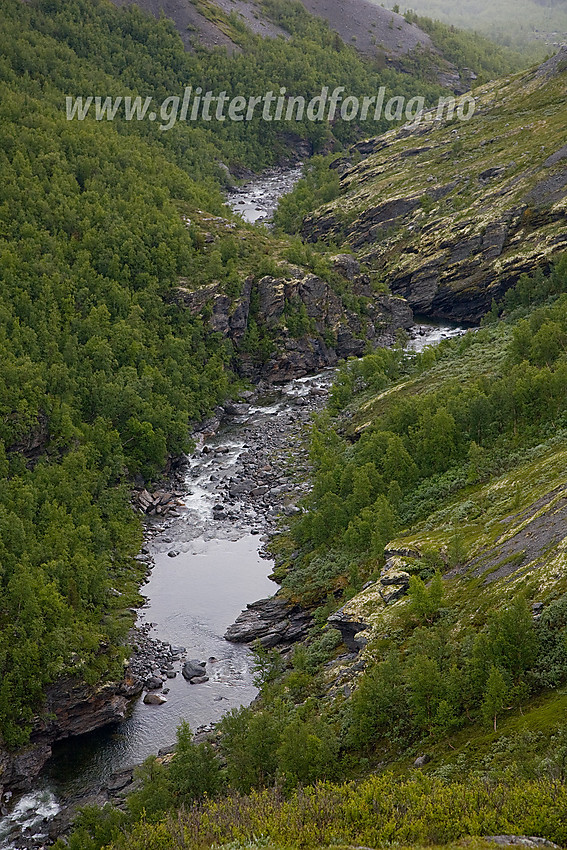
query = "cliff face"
x=71 y=708
x=309 y=323
x=451 y=213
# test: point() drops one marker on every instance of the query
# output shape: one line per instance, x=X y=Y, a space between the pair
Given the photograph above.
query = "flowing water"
x=427 y=333
x=257 y=200
x=193 y=597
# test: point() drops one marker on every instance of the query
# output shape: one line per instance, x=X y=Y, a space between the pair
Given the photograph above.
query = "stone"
x=272 y=621
x=193 y=669
x=121 y=780
x=421 y=761
x=531 y=842
x=241 y=488
x=154 y=699
x=347 y=265
x=330 y=318
x=394 y=583
x=348 y=626
x=453 y=246
x=199 y=680
x=154 y=683
x=394 y=576
x=393 y=594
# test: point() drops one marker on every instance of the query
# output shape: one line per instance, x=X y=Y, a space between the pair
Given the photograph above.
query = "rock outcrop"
x=71 y=708
x=274 y=622
x=452 y=213
x=310 y=325
x=355 y=620
x=350 y=626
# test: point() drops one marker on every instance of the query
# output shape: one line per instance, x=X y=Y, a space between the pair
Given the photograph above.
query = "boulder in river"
x=193 y=669
x=154 y=699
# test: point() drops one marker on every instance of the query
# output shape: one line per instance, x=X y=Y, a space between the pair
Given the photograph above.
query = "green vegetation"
x=467 y=179
x=375 y=813
x=459 y=668
x=100 y=376
x=319 y=185
x=468 y=51
x=424 y=441
x=453 y=458
x=102 y=371
x=463 y=49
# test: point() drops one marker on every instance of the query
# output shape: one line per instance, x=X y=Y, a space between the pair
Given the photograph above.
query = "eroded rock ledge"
x=450 y=213
x=71 y=708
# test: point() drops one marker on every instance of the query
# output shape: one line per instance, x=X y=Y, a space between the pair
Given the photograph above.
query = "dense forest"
x=104 y=374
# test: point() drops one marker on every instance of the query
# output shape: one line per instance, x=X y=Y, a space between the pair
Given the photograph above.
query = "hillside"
x=192 y=22
x=366 y=25
x=421 y=538
x=451 y=213
x=112 y=230
x=385 y=37
x=426 y=705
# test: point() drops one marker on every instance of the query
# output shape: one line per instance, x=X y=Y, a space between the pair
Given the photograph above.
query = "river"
x=257 y=200
x=206 y=567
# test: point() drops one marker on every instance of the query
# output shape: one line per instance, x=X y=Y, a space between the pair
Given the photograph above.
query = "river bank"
x=205 y=561
x=204 y=566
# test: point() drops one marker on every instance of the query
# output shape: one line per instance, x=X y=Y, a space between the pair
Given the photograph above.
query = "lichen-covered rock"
x=350 y=628
x=483 y=202
x=394 y=583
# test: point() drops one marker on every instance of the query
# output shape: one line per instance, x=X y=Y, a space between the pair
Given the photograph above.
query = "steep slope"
x=191 y=22
x=384 y=37
x=369 y=27
x=443 y=475
x=292 y=314
x=451 y=213
x=104 y=224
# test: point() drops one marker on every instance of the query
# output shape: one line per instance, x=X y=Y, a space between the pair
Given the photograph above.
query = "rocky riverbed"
x=205 y=562
x=257 y=200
